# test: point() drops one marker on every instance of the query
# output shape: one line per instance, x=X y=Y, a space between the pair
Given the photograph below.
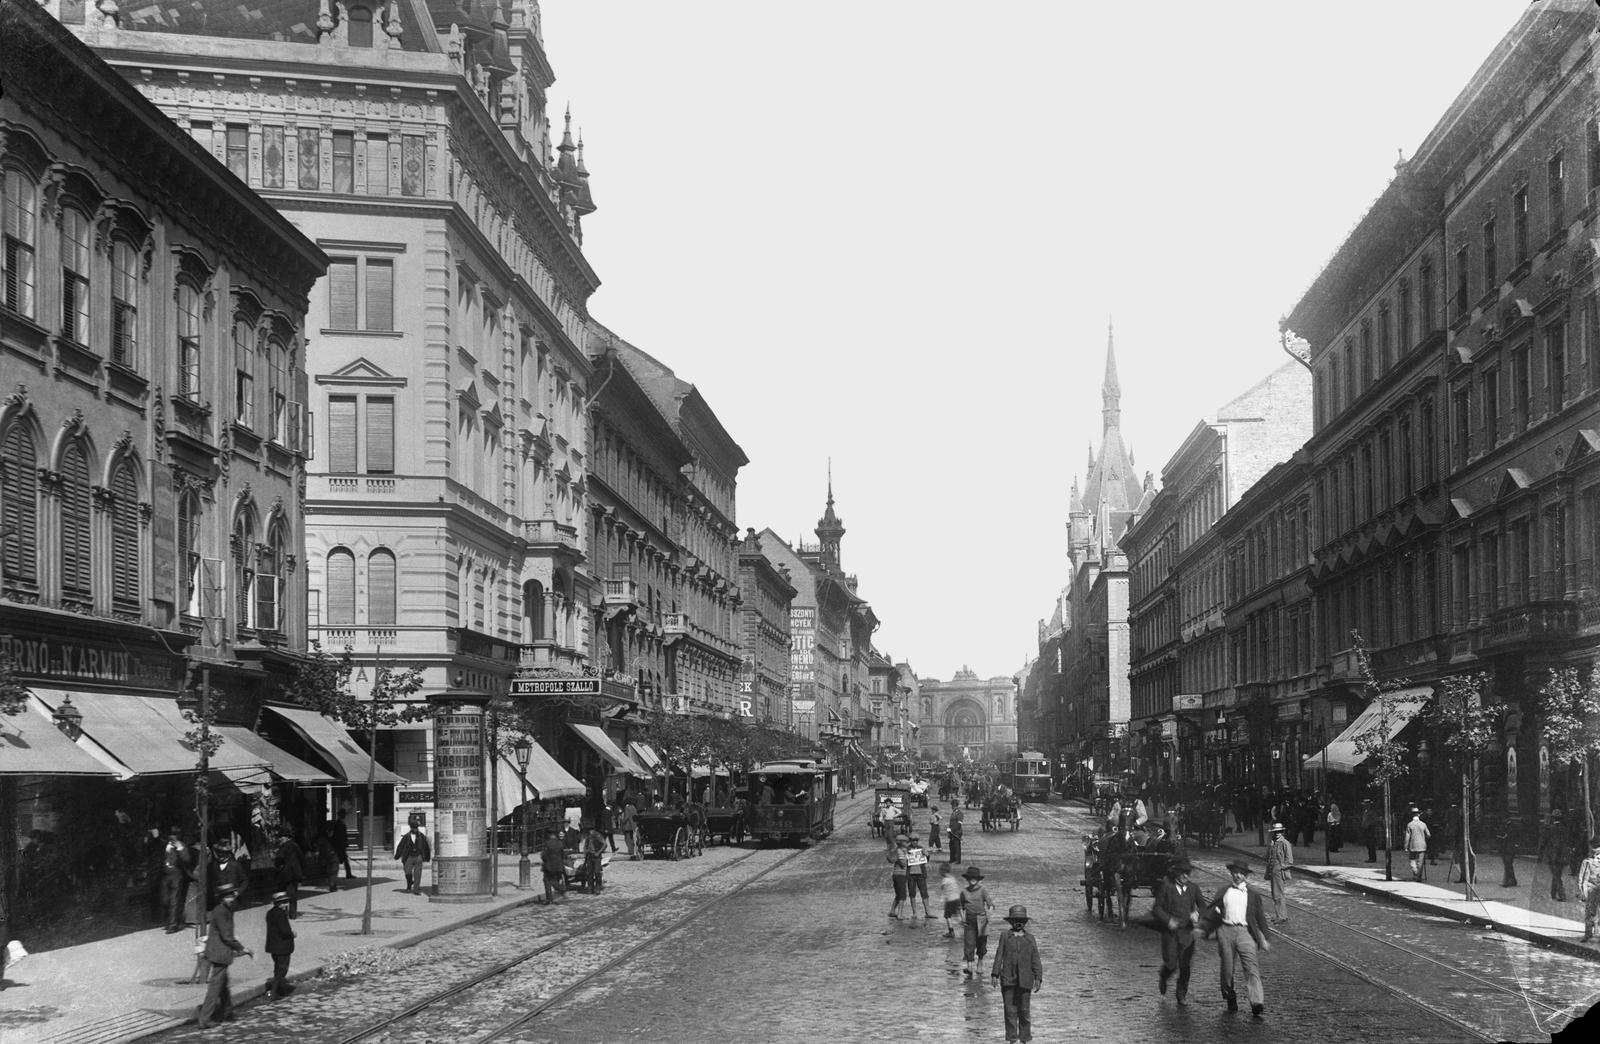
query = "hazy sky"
x=892 y=233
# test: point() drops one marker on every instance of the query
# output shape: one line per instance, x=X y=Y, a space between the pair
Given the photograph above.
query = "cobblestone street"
x=805 y=952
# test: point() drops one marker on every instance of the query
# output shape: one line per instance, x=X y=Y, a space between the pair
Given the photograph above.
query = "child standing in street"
x=975 y=907
x=1020 y=973
x=934 y=841
x=917 y=877
x=950 y=885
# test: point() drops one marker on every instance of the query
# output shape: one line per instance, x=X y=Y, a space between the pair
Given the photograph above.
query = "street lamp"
x=68 y=719
x=198 y=707
x=524 y=750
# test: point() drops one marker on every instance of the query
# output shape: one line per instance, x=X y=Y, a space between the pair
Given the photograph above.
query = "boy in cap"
x=898 y=857
x=1241 y=934
x=280 y=944
x=975 y=907
x=1020 y=974
x=1177 y=913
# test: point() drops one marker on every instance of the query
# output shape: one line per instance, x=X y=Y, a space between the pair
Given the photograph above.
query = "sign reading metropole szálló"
x=461 y=865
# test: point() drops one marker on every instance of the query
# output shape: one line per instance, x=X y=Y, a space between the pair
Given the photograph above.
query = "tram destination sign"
x=555 y=686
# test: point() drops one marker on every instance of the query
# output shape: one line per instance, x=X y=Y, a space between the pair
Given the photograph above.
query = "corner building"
x=449 y=377
x=1454 y=339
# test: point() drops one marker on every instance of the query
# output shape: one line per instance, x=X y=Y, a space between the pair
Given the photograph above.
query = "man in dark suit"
x=1020 y=973
x=412 y=851
x=226 y=870
x=1241 y=927
x=1177 y=913
x=177 y=870
x=221 y=948
x=280 y=944
x=291 y=863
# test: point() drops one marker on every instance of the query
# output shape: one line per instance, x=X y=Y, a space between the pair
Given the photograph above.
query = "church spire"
x=1111 y=390
x=830 y=529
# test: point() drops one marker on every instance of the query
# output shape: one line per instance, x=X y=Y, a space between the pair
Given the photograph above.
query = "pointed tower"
x=830 y=530
x=584 y=204
x=1111 y=390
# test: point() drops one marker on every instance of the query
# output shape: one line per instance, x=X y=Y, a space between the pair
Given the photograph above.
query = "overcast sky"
x=893 y=233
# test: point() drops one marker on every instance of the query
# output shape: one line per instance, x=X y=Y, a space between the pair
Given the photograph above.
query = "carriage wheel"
x=1088 y=892
x=680 y=843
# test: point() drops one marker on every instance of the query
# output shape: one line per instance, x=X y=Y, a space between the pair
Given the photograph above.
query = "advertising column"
x=460 y=852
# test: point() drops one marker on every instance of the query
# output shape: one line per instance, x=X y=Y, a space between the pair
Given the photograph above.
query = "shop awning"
x=1404 y=704
x=596 y=738
x=31 y=745
x=329 y=739
x=646 y=755
x=547 y=781
x=280 y=763
x=142 y=735
x=702 y=771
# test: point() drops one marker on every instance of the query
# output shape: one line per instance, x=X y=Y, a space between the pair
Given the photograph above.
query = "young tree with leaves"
x=1466 y=727
x=1386 y=755
x=1570 y=706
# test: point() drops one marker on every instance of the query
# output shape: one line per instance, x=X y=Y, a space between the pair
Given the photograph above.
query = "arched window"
x=74 y=276
x=341 y=588
x=19 y=208
x=125 y=539
x=189 y=554
x=269 y=578
x=244 y=363
x=19 y=512
x=188 y=341
x=533 y=611
x=244 y=574
x=124 y=304
x=360 y=27
x=77 y=590
x=381 y=588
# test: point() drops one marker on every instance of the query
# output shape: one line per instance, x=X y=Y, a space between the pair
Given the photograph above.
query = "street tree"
x=1569 y=703
x=1466 y=727
x=322 y=682
x=13 y=701
x=1386 y=755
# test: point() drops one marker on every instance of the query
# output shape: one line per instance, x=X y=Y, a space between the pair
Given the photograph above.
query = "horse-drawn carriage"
x=726 y=823
x=1118 y=861
x=890 y=804
x=1000 y=808
x=669 y=834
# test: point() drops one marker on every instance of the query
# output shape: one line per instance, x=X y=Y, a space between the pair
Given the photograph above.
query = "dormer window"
x=360 y=29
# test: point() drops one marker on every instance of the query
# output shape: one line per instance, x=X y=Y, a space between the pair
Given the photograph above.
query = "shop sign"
x=555 y=686
x=1289 y=710
x=414 y=797
x=1169 y=730
x=618 y=690
x=1188 y=701
x=62 y=659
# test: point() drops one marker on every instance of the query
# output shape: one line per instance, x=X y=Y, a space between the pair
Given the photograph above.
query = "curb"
x=1567 y=946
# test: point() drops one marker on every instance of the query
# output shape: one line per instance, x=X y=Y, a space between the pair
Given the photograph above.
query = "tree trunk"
x=8 y=862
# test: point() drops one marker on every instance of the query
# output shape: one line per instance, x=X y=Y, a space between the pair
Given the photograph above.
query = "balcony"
x=1539 y=622
x=549 y=534
x=1345 y=666
x=1398 y=659
x=622 y=594
x=675 y=623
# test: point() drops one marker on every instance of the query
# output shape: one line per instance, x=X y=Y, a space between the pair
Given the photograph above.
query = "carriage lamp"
x=1495 y=747
x=68 y=719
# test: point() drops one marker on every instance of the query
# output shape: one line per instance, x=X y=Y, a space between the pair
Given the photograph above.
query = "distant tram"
x=792 y=801
x=1029 y=777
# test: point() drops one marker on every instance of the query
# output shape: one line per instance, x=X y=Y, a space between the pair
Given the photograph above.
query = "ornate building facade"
x=968 y=718
x=765 y=597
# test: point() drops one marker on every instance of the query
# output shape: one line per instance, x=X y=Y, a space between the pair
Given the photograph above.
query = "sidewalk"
x=133 y=985
x=1525 y=910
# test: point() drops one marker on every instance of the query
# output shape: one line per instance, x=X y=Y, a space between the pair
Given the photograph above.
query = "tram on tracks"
x=792 y=801
x=1029 y=776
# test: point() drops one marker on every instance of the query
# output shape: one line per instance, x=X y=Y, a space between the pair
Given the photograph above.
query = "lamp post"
x=199 y=706
x=524 y=750
x=1327 y=842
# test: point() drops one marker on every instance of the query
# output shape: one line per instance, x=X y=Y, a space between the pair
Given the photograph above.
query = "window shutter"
x=381 y=594
x=19 y=506
x=211 y=587
x=267 y=592
x=380 y=435
x=75 y=567
x=341 y=435
x=342 y=295
x=125 y=540
x=341 y=589
x=380 y=295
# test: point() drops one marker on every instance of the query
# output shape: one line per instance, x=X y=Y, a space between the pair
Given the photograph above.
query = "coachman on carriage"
x=1122 y=858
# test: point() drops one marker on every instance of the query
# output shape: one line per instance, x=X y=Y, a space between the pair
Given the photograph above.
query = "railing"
x=675 y=623
x=343 y=484
x=380 y=485
x=549 y=531
x=1399 y=658
x=621 y=592
x=1344 y=665
x=1530 y=623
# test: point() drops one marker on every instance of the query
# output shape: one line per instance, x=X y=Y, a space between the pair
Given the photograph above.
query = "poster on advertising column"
x=458 y=783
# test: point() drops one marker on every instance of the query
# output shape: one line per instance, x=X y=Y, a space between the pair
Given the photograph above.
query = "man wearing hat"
x=226 y=871
x=1370 y=819
x=177 y=870
x=1177 y=914
x=1241 y=930
x=1416 y=843
x=1280 y=857
x=280 y=944
x=221 y=947
x=1589 y=888
x=1020 y=974
x=975 y=907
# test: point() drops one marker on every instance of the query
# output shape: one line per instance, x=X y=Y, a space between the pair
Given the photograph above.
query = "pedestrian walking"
x=1553 y=853
x=917 y=877
x=1019 y=972
x=1280 y=857
x=1335 y=820
x=594 y=850
x=290 y=860
x=934 y=840
x=1506 y=844
x=1369 y=828
x=1589 y=888
x=1577 y=838
x=950 y=888
x=630 y=826
x=280 y=944
x=177 y=870
x=608 y=825
x=1177 y=915
x=552 y=862
x=975 y=907
x=897 y=875
x=956 y=830
x=221 y=948
x=413 y=851
x=339 y=837
x=1240 y=920
x=1416 y=838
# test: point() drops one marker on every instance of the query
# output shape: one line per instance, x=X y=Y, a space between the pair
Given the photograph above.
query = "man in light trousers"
x=1239 y=916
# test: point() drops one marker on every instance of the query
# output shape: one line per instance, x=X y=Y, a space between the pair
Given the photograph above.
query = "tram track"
x=1520 y=993
x=459 y=994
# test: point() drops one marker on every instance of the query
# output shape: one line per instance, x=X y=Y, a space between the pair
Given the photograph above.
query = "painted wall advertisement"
x=802 y=644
